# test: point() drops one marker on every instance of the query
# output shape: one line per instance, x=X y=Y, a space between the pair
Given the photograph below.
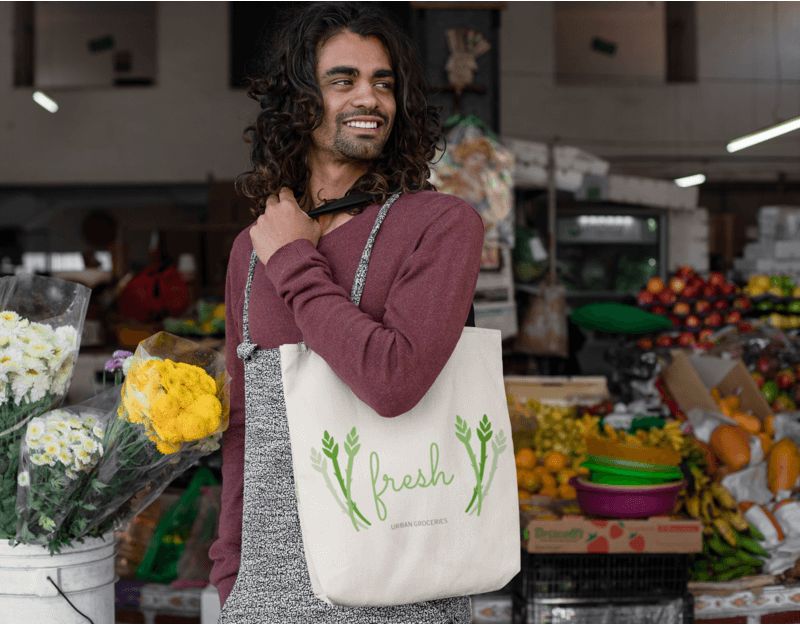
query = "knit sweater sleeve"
x=389 y=365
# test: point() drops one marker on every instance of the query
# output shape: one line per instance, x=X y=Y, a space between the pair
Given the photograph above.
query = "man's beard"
x=358 y=149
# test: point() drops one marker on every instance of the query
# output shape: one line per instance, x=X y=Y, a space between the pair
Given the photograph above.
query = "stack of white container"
x=777 y=250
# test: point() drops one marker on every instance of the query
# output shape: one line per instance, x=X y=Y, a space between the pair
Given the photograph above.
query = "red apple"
x=705 y=334
x=759 y=378
x=727 y=289
x=742 y=303
x=693 y=321
x=765 y=365
x=717 y=279
x=667 y=297
x=697 y=281
x=677 y=285
x=691 y=291
x=646 y=298
x=720 y=304
x=706 y=345
x=685 y=273
x=645 y=343
x=745 y=328
x=681 y=308
x=733 y=317
x=713 y=320
x=664 y=341
x=702 y=306
x=655 y=285
x=658 y=309
x=674 y=321
x=785 y=379
x=709 y=291
x=686 y=339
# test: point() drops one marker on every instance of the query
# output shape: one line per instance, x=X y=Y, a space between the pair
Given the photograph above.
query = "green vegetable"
x=740 y=571
x=701 y=565
x=726 y=564
x=701 y=576
x=752 y=546
x=747 y=558
x=717 y=545
x=755 y=533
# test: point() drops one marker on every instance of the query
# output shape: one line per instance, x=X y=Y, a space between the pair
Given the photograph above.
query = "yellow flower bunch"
x=175 y=402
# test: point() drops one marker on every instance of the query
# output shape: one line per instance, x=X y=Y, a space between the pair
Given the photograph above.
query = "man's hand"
x=282 y=222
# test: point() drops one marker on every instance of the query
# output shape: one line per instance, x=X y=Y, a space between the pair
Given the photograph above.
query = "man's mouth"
x=372 y=125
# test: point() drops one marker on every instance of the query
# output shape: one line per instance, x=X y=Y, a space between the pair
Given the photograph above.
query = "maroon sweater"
x=389 y=351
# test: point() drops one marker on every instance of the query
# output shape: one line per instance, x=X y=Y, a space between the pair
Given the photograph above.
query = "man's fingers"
x=286 y=194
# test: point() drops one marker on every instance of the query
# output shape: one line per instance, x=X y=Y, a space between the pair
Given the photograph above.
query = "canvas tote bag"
x=413 y=508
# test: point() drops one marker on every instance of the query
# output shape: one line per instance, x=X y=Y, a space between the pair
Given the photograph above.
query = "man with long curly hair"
x=343 y=112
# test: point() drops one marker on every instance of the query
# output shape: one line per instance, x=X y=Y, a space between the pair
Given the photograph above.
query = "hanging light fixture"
x=45 y=101
x=764 y=135
x=690 y=181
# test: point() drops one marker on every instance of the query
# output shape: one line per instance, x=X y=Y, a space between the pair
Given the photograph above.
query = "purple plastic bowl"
x=626 y=502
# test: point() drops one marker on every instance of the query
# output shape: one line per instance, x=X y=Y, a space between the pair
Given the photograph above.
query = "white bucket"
x=84 y=573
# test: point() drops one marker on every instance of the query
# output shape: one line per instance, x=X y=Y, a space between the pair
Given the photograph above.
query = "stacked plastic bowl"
x=628 y=482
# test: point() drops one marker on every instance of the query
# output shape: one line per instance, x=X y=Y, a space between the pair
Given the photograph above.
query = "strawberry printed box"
x=578 y=534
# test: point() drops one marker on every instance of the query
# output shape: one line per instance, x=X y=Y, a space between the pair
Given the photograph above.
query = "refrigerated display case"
x=608 y=252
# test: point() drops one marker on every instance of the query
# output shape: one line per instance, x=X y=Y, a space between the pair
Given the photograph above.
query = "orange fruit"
x=567 y=492
x=766 y=442
x=524 y=494
x=554 y=461
x=565 y=475
x=525 y=458
x=550 y=491
x=528 y=480
x=548 y=481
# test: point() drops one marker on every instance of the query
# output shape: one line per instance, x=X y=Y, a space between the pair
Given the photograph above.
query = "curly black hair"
x=292 y=106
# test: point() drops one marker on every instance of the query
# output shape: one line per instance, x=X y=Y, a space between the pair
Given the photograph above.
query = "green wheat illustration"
x=331 y=449
x=484 y=430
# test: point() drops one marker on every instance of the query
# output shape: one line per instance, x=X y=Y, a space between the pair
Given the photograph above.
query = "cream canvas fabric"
x=389 y=508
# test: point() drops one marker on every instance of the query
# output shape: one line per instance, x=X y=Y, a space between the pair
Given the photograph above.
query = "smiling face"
x=357 y=83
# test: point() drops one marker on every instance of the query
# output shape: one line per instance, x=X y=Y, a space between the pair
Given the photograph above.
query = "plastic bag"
x=195 y=563
x=477 y=168
x=160 y=563
x=41 y=322
x=749 y=484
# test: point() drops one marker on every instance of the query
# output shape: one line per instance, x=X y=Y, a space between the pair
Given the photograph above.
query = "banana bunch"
x=668 y=436
x=730 y=546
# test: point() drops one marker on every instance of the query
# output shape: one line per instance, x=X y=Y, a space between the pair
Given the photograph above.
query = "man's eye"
x=343 y=81
x=385 y=85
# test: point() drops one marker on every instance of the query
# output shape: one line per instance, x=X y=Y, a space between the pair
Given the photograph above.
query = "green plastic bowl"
x=614 y=474
x=631 y=464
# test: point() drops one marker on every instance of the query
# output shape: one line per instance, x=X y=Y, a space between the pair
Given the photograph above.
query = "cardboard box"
x=690 y=379
x=559 y=391
x=578 y=534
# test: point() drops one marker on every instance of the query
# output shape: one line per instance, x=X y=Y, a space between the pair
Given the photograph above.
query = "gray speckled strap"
x=247 y=347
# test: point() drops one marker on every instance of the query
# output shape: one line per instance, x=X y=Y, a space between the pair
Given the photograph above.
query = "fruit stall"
x=672 y=498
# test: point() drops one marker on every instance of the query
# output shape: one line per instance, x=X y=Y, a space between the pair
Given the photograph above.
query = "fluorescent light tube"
x=690 y=181
x=45 y=102
x=764 y=135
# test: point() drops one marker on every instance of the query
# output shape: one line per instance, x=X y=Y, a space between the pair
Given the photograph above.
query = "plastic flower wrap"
x=57 y=458
x=41 y=321
x=173 y=410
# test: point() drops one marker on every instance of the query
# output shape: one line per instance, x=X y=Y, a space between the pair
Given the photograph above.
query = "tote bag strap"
x=247 y=346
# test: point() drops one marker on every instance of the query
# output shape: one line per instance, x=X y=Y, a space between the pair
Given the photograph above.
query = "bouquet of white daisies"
x=41 y=321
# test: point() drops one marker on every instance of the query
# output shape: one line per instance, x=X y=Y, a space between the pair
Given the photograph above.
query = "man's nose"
x=364 y=96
